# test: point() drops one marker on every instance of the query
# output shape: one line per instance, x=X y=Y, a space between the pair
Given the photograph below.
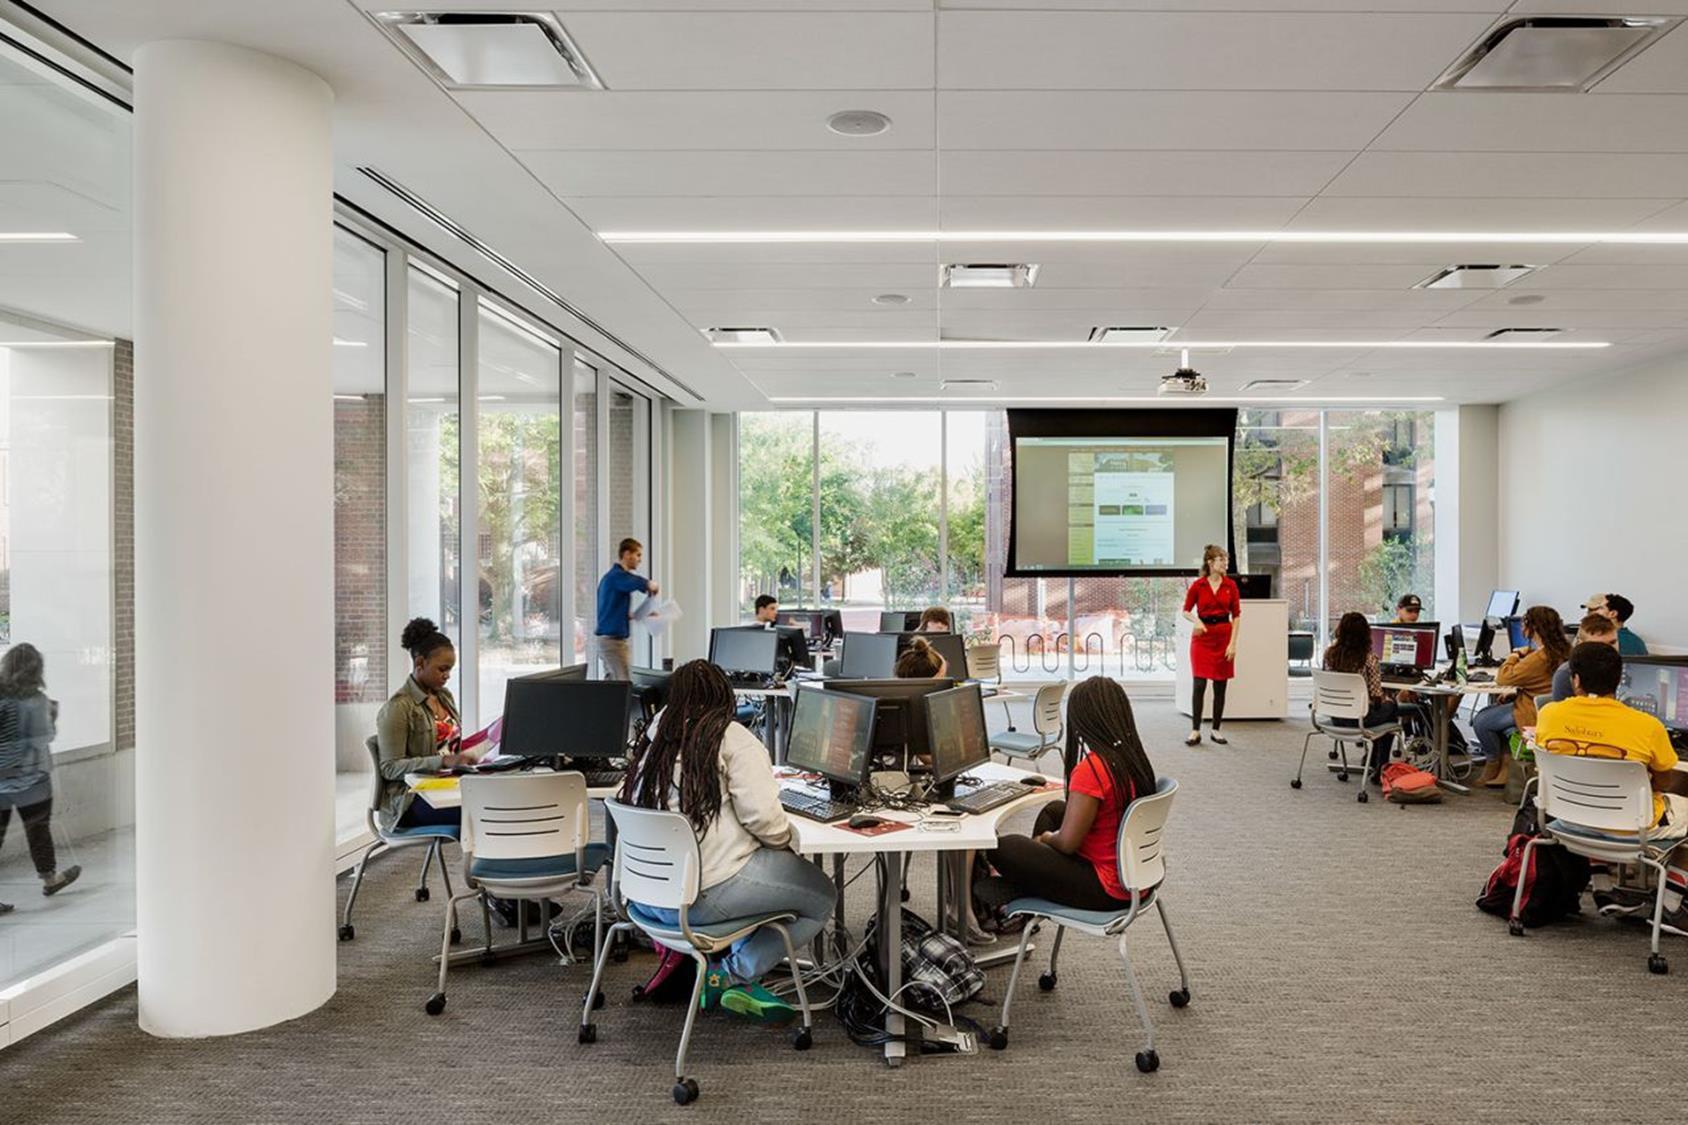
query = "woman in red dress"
x=1212 y=607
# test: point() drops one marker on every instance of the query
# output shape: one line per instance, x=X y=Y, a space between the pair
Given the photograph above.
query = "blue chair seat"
x=541 y=867
x=1566 y=828
x=648 y=920
x=1100 y=919
x=1017 y=740
x=424 y=831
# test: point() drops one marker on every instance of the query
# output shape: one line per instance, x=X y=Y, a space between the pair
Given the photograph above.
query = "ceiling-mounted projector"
x=1186 y=380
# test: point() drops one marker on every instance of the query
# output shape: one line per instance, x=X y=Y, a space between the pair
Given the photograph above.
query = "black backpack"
x=1553 y=883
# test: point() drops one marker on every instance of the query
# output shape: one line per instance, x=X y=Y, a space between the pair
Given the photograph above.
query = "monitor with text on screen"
x=955 y=726
x=831 y=734
x=1118 y=492
x=1659 y=686
x=1402 y=647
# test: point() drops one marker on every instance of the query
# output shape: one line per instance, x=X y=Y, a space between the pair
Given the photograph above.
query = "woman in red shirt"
x=1212 y=607
x=1072 y=856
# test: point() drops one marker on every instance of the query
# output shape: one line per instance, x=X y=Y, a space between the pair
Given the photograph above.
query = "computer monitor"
x=1403 y=648
x=1502 y=603
x=1515 y=633
x=567 y=672
x=552 y=718
x=650 y=688
x=791 y=652
x=744 y=650
x=1455 y=641
x=869 y=656
x=1253 y=586
x=1484 y=654
x=832 y=734
x=899 y=621
x=899 y=725
x=955 y=730
x=834 y=624
x=1658 y=685
x=951 y=646
x=811 y=621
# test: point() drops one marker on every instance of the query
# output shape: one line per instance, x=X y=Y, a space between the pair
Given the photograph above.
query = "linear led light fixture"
x=1149 y=345
x=340 y=343
x=883 y=400
x=37 y=236
x=1358 y=237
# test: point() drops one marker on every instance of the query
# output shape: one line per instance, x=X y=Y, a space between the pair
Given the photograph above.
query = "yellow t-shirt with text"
x=1593 y=726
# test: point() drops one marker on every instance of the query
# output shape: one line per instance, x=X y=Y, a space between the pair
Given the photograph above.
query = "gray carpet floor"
x=1341 y=974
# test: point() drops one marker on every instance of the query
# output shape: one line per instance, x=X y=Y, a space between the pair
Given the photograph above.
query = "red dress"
x=1207 y=650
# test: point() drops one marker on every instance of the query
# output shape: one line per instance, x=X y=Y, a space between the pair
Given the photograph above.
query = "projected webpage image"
x=1119 y=504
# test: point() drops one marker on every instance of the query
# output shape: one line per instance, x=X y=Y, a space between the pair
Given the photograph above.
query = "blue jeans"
x=773 y=881
x=1492 y=724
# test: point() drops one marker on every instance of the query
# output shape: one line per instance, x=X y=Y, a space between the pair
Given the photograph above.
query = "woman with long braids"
x=695 y=759
x=1071 y=858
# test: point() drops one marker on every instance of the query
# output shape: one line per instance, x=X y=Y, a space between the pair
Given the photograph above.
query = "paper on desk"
x=426 y=783
x=657 y=614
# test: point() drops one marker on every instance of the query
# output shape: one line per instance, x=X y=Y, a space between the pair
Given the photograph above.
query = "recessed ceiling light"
x=1475 y=277
x=1117 y=334
x=743 y=337
x=37 y=236
x=491 y=50
x=891 y=299
x=1526 y=299
x=1190 y=345
x=1315 y=237
x=1565 y=54
x=966 y=275
x=858 y=123
x=1522 y=333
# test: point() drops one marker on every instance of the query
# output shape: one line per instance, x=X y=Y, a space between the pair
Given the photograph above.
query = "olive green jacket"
x=404 y=735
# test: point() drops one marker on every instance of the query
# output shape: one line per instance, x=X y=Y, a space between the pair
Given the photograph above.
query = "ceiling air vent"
x=743 y=335
x=989 y=276
x=1475 y=277
x=491 y=50
x=968 y=384
x=1129 y=334
x=1568 y=54
x=1273 y=385
x=1523 y=333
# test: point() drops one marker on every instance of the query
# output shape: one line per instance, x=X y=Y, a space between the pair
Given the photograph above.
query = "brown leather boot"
x=1491 y=770
x=1498 y=781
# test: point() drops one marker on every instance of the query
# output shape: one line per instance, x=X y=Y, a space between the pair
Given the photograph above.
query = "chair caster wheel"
x=456 y=936
x=802 y=1039
x=421 y=894
x=1362 y=796
x=1331 y=754
x=1179 y=998
x=597 y=1000
x=1515 y=928
x=588 y=1033
x=997 y=1040
x=1047 y=982
x=905 y=893
x=435 y=1004
x=1656 y=963
x=1147 y=1061
x=347 y=933
x=1295 y=783
x=685 y=1091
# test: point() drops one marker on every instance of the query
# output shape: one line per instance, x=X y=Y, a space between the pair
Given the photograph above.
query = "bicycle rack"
x=1101 y=651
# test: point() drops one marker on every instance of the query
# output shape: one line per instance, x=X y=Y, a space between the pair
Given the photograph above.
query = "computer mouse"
x=863 y=820
x=1034 y=779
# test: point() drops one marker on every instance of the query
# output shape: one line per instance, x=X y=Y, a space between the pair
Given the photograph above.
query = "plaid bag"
x=936 y=967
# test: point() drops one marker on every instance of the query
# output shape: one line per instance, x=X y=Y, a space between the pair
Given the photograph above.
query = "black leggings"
x=1218 y=703
x=1027 y=867
x=37 y=830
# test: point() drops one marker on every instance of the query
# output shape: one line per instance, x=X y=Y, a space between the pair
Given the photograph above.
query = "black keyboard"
x=603 y=779
x=987 y=797
x=815 y=808
x=503 y=765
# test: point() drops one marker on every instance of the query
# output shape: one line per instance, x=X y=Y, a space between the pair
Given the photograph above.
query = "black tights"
x=1026 y=867
x=36 y=821
x=1218 y=703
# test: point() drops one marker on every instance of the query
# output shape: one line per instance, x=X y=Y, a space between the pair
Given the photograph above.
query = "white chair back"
x=1046 y=709
x=1142 y=860
x=984 y=661
x=1340 y=695
x=525 y=816
x=1605 y=794
x=373 y=745
x=656 y=856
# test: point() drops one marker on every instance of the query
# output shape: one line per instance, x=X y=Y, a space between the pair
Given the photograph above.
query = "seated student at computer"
x=1351 y=651
x=418 y=730
x=1620 y=609
x=1595 y=628
x=936 y=619
x=696 y=760
x=1530 y=671
x=767 y=609
x=920 y=661
x=1072 y=857
x=1593 y=723
x=1408 y=609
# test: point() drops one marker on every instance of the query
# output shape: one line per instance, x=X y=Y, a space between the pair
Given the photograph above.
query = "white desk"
x=1444 y=700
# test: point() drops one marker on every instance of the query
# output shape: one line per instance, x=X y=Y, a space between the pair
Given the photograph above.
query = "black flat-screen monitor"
x=566 y=672
x=1502 y=603
x=1657 y=685
x=899 y=725
x=869 y=656
x=955 y=730
x=832 y=734
x=1401 y=646
x=650 y=688
x=550 y=718
x=899 y=621
x=950 y=646
x=744 y=650
x=811 y=621
x=1118 y=492
x=1455 y=642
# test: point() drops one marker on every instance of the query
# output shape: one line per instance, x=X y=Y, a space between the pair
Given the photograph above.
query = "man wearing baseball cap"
x=1619 y=609
x=1407 y=609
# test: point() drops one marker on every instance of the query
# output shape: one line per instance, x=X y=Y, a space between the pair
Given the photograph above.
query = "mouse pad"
x=876 y=830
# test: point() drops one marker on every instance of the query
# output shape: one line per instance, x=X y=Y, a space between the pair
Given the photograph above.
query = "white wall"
x=1590 y=479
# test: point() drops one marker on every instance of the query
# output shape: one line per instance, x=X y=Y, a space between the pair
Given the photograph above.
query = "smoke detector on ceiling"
x=1186 y=381
x=858 y=123
x=1552 y=54
x=491 y=50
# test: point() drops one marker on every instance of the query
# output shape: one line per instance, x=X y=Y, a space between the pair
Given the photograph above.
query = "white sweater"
x=751 y=815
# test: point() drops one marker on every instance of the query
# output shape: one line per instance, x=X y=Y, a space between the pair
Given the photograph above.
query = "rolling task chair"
x=525 y=838
x=1142 y=865
x=1601 y=808
x=984 y=662
x=1046 y=723
x=430 y=836
x=1343 y=695
x=656 y=867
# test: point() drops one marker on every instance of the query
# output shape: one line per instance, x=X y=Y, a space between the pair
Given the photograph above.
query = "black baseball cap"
x=1409 y=601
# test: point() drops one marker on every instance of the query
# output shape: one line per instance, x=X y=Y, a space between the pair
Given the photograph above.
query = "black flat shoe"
x=1215 y=736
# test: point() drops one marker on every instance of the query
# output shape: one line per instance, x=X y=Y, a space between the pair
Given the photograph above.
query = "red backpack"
x=1409 y=785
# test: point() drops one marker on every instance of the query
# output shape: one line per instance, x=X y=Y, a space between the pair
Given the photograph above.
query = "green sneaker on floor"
x=757 y=1003
x=715 y=985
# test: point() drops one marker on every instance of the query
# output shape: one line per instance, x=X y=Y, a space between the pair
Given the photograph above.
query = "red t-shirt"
x=1100 y=844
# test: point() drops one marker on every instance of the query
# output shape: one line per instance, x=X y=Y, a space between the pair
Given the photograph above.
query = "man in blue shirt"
x=615 y=605
x=1619 y=609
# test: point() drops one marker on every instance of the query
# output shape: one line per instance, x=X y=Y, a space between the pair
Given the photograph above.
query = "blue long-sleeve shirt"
x=615 y=599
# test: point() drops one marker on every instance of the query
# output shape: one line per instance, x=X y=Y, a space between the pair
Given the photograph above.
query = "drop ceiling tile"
x=1429 y=301
x=733 y=120
x=1049 y=212
x=1583 y=321
x=756 y=50
x=692 y=300
x=1298 y=174
x=1012 y=300
x=1359 y=276
x=1514 y=175
x=711 y=172
x=1660 y=69
x=642 y=253
x=1493 y=122
x=1270 y=322
x=1042 y=120
x=1569 y=276
x=1673 y=218
x=879 y=278
x=1351 y=213
x=886 y=212
x=1574 y=302
x=1619 y=253
x=1132 y=255
x=1171 y=50
x=886 y=323
x=1430 y=255
x=1127 y=275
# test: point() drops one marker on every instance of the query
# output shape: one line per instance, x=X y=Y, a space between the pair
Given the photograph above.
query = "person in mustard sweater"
x=1530 y=671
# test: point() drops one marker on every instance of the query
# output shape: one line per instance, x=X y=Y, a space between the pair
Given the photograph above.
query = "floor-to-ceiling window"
x=589 y=560
x=1382 y=472
x=432 y=540
x=626 y=485
x=776 y=509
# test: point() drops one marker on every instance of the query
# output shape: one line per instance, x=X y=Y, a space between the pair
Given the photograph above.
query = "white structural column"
x=233 y=539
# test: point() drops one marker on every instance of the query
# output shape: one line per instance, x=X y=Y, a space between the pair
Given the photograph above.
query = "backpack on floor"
x=1553 y=883
x=1408 y=785
x=937 y=969
x=672 y=979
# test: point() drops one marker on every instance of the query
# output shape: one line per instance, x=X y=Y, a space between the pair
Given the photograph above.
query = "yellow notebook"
x=430 y=783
